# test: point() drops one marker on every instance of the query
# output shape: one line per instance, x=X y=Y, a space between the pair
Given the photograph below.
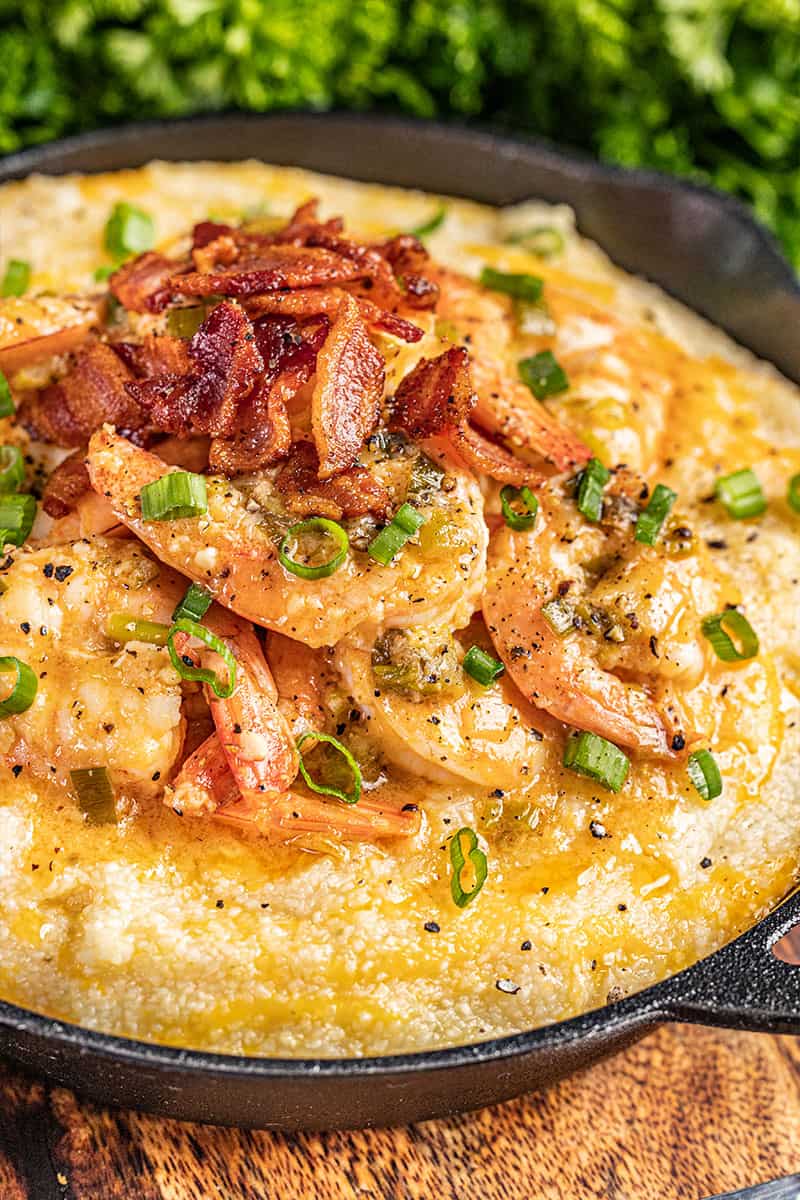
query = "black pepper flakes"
x=220 y=904
x=431 y=927
x=16 y=770
x=526 y=945
x=705 y=863
x=597 y=829
x=507 y=986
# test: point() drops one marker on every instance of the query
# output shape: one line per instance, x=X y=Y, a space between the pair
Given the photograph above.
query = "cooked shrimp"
x=484 y=320
x=35 y=328
x=232 y=550
x=301 y=677
x=635 y=611
x=245 y=771
x=429 y=717
x=97 y=704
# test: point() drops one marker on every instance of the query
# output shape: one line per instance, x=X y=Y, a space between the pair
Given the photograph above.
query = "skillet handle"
x=744 y=985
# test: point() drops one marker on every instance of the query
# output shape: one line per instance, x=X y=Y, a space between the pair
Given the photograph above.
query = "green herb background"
x=705 y=88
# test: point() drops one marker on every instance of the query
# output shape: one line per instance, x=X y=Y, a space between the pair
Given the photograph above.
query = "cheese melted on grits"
x=187 y=932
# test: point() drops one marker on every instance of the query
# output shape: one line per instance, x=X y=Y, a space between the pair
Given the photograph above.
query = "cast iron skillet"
x=706 y=250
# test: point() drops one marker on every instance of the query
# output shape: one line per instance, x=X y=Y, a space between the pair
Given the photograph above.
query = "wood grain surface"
x=686 y=1113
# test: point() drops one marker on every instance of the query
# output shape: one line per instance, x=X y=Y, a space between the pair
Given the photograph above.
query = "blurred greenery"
x=706 y=88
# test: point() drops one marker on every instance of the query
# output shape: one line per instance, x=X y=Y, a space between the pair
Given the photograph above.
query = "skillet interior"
x=708 y=252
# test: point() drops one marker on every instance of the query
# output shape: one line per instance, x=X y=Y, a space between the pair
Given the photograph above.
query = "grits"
x=198 y=933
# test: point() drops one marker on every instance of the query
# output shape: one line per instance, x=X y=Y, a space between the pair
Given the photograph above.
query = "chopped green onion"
x=95 y=795
x=793 y=494
x=129 y=230
x=17 y=514
x=521 y=287
x=105 y=272
x=724 y=645
x=481 y=666
x=704 y=774
x=650 y=520
x=543 y=374
x=12 y=468
x=593 y=479
x=195 y=604
x=431 y=225
x=315 y=525
x=741 y=494
x=559 y=616
x=350 y=797
x=23 y=692
x=176 y=495
x=589 y=754
x=515 y=519
x=7 y=408
x=185 y=322
x=544 y=240
x=221 y=689
x=16 y=278
x=458 y=860
x=122 y=627
x=391 y=539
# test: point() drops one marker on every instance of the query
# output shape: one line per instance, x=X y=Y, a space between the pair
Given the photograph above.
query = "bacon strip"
x=347 y=396
x=353 y=493
x=308 y=301
x=437 y=398
x=273 y=268
x=92 y=393
x=139 y=284
x=67 y=483
x=226 y=363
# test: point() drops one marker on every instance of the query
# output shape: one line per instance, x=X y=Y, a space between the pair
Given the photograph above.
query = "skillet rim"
x=647 y=1007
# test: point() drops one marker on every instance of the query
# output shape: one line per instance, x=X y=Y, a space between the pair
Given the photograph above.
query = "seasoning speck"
x=526 y=945
x=431 y=927
x=220 y=904
x=705 y=863
x=597 y=829
x=506 y=985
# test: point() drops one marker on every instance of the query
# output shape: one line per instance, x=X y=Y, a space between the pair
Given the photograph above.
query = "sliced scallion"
x=103 y=273
x=185 y=322
x=129 y=230
x=431 y=225
x=793 y=493
x=122 y=627
x=559 y=615
x=591 y=755
x=704 y=774
x=186 y=668
x=458 y=860
x=329 y=529
x=593 y=479
x=543 y=374
x=17 y=514
x=6 y=403
x=173 y=496
x=481 y=666
x=17 y=278
x=350 y=797
x=391 y=539
x=23 y=692
x=12 y=468
x=650 y=520
x=741 y=494
x=194 y=605
x=721 y=630
x=95 y=795
x=513 y=517
x=520 y=286
x=544 y=240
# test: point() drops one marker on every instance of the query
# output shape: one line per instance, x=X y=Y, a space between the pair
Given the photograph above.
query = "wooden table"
x=686 y=1113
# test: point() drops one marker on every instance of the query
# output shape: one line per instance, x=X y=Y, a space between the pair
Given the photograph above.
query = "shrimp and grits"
x=398 y=616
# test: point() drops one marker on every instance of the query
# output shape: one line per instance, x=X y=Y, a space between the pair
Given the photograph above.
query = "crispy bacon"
x=156 y=354
x=93 y=392
x=67 y=483
x=353 y=493
x=225 y=365
x=437 y=398
x=274 y=267
x=139 y=284
x=308 y=301
x=263 y=435
x=207 y=231
x=438 y=393
x=408 y=258
x=304 y=222
x=347 y=396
